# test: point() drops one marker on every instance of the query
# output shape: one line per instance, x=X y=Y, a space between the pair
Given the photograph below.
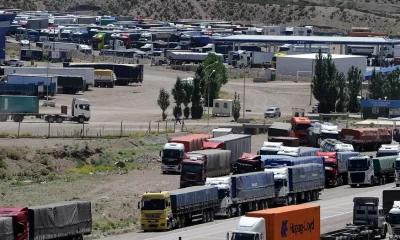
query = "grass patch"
x=108 y=225
x=205 y=116
x=224 y=95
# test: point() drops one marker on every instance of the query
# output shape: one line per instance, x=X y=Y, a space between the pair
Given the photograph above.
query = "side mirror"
x=138 y=205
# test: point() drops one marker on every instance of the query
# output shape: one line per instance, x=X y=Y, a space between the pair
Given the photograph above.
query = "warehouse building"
x=373 y=109
x=303 y=64
x=6 y=19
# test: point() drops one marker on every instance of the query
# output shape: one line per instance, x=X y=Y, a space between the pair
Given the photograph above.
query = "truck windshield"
x=360 y=164
x=65 y=35
x=268 y=152
x=171 y=153
x=397 y=165
x=302 y=127
x=191 y=168
x=384 y=154
x=96 y=40
x=243 y=236
x=329 y=135
x=235 y=57
x=394 y=218
x=154 y=204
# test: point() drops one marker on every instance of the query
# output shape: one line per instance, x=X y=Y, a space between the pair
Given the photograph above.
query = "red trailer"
x=366 y=138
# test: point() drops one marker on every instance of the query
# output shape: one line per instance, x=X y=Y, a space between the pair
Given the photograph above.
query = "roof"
x=380 y=103
x=228 y=137
x=368 y=74
x=307 y=40
x=312 y=56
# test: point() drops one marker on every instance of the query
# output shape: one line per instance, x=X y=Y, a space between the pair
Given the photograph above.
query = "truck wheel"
x=59 y=119
x=204 y=218
x=179 y=223
x=18 y=118
x=372 y=181
x=81 y=119
x=256 y=206
x=229 y=213
x=3 y=118
x=295 y=199
x=239 y=210
x=287 y=201
x=212 y=215
x=183 y=221
x=383 y=180
x=164 y=172
x=384 y=233
x=397 y=185
x=50 y=119
x=308 y=197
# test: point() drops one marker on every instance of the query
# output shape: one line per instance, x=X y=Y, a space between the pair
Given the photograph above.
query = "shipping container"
x=186 y=197
x=291 y=222
x=19 y=89
x=31 y=79
x=252 y=185
x=86 y=20
x=6 y=228
x=28 y=55
x=37 y=24
x=279 y=129
x=71 y=84
x=384 y=164
x=305 y=177
x=192 y=142
x=19 y=104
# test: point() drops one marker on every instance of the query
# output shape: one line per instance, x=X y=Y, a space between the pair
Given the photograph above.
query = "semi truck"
x=279 y=129
x=366 y=138
x=289 y=222
x=333 y=145
x=71 y=84
x=299 y=128
x=287 y=141
x=56 y=221
x=18 y=107
x=49 y=82
x=270 y=148
x=236 y=143
x=85 y=72
x=199 y=165
x=166 y=210
x=248 y=163
x=274 y=161
x=250 y=58
x=104 y=78
x=298 y=183
x=298 y=151
x=366 y=170
x=391 y=207
x=388 y=150
x=336 y=167
x=368 y=222
x=243 y=193
x=173 y=151
x=320 y=131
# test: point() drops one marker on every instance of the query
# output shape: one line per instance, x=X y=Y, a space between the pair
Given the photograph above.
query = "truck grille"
x=396 y=230
x=153 y=215
x=191 y=177
x=357 y=177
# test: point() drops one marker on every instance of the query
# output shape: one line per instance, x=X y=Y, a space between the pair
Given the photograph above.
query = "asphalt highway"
x=336 y=211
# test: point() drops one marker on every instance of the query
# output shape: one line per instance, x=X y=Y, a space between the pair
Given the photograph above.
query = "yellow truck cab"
x=155 y=211
x=279 y=54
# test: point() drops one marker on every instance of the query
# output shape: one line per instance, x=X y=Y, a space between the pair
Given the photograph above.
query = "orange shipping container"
x=291 y=222
x=192 y=142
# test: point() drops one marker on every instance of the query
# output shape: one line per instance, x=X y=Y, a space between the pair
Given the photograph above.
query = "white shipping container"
x=59 y=46
x=63 y=21
x=274 y=30
x=262 y=57
x=87 y=73
x=31 y=79
x=300 y=31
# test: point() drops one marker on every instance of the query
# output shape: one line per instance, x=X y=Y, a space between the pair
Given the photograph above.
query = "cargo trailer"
x=274 y=162
x=298 y=151
x=189 y=57
x=287 y=141
x=18 y=107
x=236 y=143
x=173 y=151
x=63 y=220
x=188 y=205
x=244 y=192
x=25 y=89
x=283 y=223
x=71 y=84
x=366 y=138
x=199 y=165
x=279 y=129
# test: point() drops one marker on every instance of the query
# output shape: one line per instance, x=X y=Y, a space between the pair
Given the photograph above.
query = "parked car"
x=272 y=112
x=315 y=108
x=14 y=63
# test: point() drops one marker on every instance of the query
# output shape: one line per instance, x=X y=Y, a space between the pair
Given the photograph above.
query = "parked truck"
x=251 y=59
x=244 y=192
x=289 y=222
x=333 y=145
x=391 y=207
x=275 y=162
x=71 y=84
x=388 y=150
x=299 y=128
x=279 y=129
x=49 y=82
x=57 y=221
x=336 y=167
x=320 y=131
x=287 y=141
x=366 y=170
x=298 y=183
x=366 y=138
x=248 y=163
x=298 y=151
x=165 y=210
x=270 y=148
x=104 y=78
x=199 y=165
x=17 y=107
x=368 y=222
x=236 y=143
x=173 y=152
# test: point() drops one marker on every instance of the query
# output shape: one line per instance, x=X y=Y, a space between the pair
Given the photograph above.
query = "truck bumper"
x=170 y=168
x=153 y=225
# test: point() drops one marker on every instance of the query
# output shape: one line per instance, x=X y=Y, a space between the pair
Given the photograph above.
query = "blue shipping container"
x=251 y=185
x=193 y=195
x=297 y=161
x=306 y=177
x=267 y=159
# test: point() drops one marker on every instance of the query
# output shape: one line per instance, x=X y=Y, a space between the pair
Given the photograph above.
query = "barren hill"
x=382 y=15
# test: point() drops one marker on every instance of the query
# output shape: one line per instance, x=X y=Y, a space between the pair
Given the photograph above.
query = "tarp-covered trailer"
x=279 y=129
x=287 y=141
x=192 y=142
x=385 y=165
x=189 y=197
x=6 y=228
x=295 y=161
x=306 y=177
x=366 y=138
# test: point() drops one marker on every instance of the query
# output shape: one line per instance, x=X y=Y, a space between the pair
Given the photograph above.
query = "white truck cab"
x=172 y=157
x=289 y=151
x=397 y=171
x=388 y=150
x=281 y=185
x=394 y=218
x=361 y=171
x=249 y=228
x=224 y=185
x=80 y=109
x=270 y=148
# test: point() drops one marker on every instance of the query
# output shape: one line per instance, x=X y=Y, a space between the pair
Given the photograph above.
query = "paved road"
x=336 y=208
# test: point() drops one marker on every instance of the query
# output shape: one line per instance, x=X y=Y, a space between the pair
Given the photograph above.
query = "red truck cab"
x=193 y=169
x=212 y=145
x=299 y=128
x=248 y=163
x=20 y=218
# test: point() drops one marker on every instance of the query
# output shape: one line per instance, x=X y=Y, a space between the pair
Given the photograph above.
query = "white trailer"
x=274 y=30
x=248 y=58
x=59 y=46
x=222 y=107
x=87 y=73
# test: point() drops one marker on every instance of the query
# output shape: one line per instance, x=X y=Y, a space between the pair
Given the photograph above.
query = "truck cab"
x=270 y=148
x=289 y=151
x=193 y=170
x=80 y=110
x=249 y=228
x=171 y=157
x=332 y=177
x=213 y=145
x=299 y=128
x=155 y=211
x=361 y=171
x=397 y=172
x=281 y=185
x=388 y=150
x=367 y=213
x=248 y=163
x=394 y=218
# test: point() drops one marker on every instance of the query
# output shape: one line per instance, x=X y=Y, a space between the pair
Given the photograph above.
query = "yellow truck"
x=166 y=210
x=104 y=78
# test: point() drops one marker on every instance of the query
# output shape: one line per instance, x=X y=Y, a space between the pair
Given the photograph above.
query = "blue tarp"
x=368 y=74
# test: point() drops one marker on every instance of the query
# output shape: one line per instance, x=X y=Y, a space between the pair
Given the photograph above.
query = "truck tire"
x=179 y=223
x=212 y=216
x=372 y=181
x=229 y=213
x=308 y=196
x=295 y=199
x=183 y=221
x=59 y=119
x=18 y=118
x=256 y=206
x=3 y=118
x=81 y=119
x=204 y=218
x=239 y=211
x=397 y=185
x=383 y=235
x=50 y=119
x=384 y=181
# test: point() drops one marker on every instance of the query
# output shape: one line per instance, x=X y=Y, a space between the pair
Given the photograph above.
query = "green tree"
x=163 y=102
x=354 y=78
x=342 y=97
x=324 y=83
x=377 y=85
x=188 y=88
x=179 y=95
x=212 y=63
x=197 y=108
x=392 y=90
x=236 y=107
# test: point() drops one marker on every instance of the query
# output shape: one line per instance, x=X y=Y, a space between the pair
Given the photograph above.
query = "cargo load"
x=287 y=141
x=298 y=151
x=366 y=138
x=305 y=177
x=279 y=129
x=271 y=163
x=270 y=148
x=333 y=145
x=182 y=198
x=388 y=150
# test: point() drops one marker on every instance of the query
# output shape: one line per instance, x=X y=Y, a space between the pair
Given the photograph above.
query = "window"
x=225 y=105
x=217 y=105
x=375 y=110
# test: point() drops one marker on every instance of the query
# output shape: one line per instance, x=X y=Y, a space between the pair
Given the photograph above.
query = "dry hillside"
x=382 y=15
